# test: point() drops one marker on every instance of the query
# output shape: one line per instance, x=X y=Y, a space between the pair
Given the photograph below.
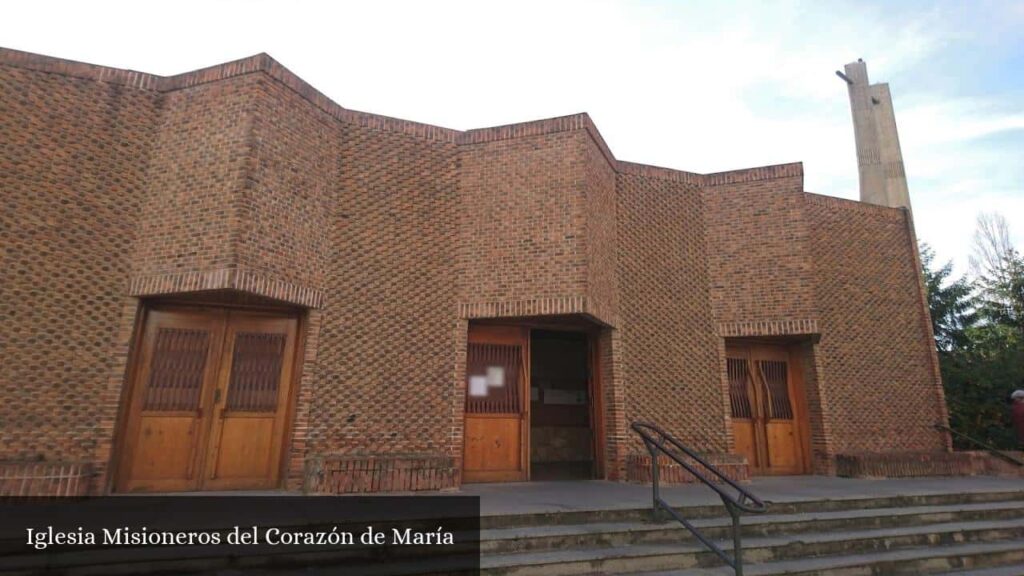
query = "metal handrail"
x=655 y=439
x=985 y=445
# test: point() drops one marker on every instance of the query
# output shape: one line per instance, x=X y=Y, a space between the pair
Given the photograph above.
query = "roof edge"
x=770 y=172
x=54 y=65
x=836 y=202
x=652 y=171
x=578 y=121
x=263 y=62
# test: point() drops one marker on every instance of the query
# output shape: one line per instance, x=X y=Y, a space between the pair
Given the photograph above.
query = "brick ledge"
x=778 y=327
x=225 y=278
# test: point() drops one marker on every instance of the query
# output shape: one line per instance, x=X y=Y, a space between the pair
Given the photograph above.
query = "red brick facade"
x=241 y=182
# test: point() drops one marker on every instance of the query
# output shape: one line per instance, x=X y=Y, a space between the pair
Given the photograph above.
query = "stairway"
x=970 y=533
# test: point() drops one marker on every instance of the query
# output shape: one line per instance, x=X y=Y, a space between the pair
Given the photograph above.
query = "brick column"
x=110 y=399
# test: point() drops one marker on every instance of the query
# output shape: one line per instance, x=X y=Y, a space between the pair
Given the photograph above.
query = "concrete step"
x=857 y=535
x=609 y=534
x=778 y=551
x=611 y=515
x=1014 y=570
x=203 y=560
x=991 y=559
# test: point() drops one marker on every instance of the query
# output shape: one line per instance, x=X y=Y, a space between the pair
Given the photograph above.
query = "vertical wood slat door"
x=497 y=405
x=209 y=402
x=768 y=427
x=250 y=404
x=741 y=395
x=781 y=429
x=166 y=428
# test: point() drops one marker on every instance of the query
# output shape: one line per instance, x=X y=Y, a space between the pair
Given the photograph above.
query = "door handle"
x=216 y=396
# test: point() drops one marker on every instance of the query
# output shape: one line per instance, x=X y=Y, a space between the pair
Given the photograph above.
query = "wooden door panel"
x=492 y=445
x=743 y=435
x=250 y=403
x=244 y=454
x=742 y=404
x=497 y=405
x=783 y=449
x=165 y=457
x=164 y=434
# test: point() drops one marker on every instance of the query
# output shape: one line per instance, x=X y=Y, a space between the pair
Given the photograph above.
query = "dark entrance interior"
x=561 y=432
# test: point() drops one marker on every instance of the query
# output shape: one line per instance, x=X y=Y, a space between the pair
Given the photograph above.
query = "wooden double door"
x=768 y=409
x=209 y=401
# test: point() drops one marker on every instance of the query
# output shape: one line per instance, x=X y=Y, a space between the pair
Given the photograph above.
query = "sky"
x=697 y=86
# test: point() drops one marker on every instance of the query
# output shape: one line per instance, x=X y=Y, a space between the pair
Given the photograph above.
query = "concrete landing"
x=540 y=497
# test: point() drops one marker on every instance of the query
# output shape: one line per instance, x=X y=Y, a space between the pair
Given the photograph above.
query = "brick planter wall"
x=995 y=466
x=44 y=478
x=347 y=474
x=914 y=464
x=638 y=469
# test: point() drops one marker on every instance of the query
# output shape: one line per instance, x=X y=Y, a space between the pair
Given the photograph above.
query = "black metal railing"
x=737 y=500
x=981 y=444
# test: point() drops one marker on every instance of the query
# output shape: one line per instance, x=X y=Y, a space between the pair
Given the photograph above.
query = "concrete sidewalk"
x=536 y=497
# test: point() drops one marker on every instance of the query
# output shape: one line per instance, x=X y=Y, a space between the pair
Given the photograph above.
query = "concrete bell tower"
x=883 y=180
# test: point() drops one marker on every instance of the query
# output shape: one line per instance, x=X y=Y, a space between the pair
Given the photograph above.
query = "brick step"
x=716 y=509
x=595 y=535
x=763 y=555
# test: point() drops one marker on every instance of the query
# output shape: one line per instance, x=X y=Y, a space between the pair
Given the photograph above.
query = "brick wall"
x=820 y=417
x=240 y=194
x=875 y=349
x=669 y=347
x=601 y=240
x=521 y=222
x=288 y=199
x=384 y=380
x=760 y=264
x=191 y=215
x=73 y=155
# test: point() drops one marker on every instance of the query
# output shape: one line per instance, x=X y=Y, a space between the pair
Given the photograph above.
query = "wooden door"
x=208 y=402
x=768 y=420
x=497 y=405
x=166 y=430
x=249 y=403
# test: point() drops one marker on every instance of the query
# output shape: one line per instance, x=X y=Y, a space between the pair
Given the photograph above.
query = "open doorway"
x=561 y=427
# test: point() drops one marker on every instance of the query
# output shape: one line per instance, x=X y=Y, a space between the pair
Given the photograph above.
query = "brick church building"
x=225 y=280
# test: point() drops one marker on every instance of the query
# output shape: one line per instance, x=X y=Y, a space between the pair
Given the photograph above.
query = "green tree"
x=979 y=333
x=999 y=271
x=978 y=381
x=950 y=303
